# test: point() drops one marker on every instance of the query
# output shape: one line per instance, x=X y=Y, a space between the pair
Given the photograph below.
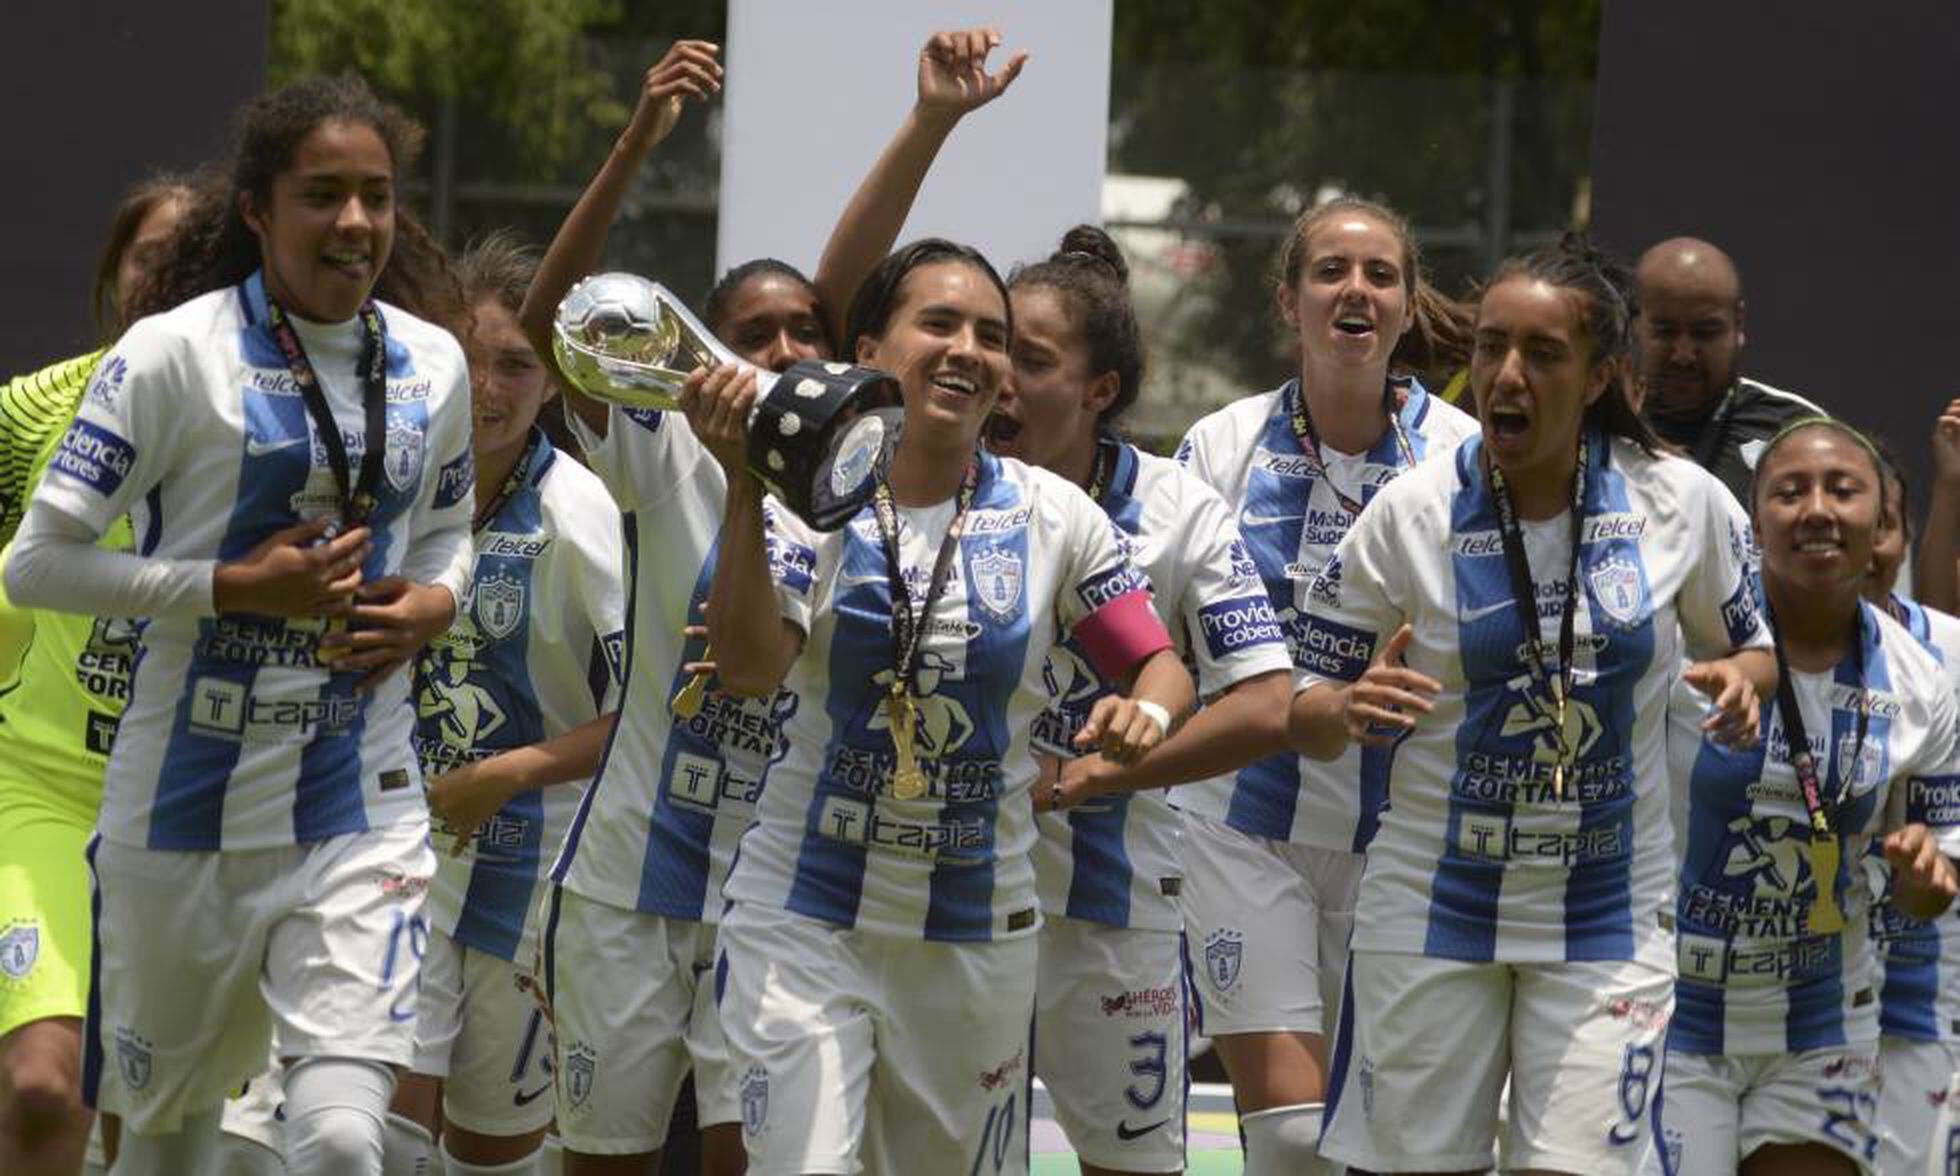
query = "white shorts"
x=1110 y=1041
x=1267 y=924
x=480 y=1026
x=1720 y=1108
x=1425 y=1046
x=201 y=955
x=1914 y=1123
x=874 y=1052
x=633 y=1005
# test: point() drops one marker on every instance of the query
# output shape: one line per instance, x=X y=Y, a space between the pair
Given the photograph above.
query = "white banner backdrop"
x=814 y=91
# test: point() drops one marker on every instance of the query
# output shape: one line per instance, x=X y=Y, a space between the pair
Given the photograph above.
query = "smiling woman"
x=295 y=453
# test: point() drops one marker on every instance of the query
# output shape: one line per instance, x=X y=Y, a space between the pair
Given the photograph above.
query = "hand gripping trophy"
x=819 y=435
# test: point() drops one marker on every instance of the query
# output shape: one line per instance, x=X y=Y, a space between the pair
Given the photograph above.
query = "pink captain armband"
x=1121 y=633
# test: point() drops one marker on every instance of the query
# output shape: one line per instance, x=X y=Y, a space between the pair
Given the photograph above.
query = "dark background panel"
x=1815 y=142
x=99 y=94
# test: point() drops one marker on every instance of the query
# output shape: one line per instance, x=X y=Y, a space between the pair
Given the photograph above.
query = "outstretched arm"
x=953 y=80
x=1938 y=584
x=689 y=69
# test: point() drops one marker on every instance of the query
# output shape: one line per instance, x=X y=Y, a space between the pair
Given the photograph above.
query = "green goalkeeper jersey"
x=58 y=715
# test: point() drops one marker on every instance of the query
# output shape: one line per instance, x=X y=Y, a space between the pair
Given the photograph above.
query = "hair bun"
x=1089 y=243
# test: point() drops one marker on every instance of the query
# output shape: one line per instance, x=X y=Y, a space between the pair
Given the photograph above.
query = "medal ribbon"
x=357 y=497
x=1104 y=469
x=1820 y=804
x=519 y=474
x=1557 y=682
x=908 y=626
x=1310 y=441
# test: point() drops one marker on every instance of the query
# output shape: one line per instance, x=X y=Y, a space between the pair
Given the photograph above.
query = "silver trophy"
x=819 y=434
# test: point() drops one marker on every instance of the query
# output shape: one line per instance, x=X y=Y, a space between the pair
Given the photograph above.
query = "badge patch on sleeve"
x=94 y=456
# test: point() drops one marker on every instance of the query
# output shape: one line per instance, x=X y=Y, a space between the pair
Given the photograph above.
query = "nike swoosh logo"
x=1126 y=1132
x=524 y=1099
x=1252 y=520
x=258 y=448
x=1466 y=616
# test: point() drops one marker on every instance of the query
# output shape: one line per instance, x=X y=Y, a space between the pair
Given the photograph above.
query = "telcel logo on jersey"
x=94 y=456
x=1333 y=650
x=1232 y=625
x=229 y=710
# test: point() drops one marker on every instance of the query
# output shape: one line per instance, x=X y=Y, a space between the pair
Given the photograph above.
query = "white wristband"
x=1156 y=714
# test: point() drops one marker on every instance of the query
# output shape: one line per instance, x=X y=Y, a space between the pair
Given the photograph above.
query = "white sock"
x=336 y=1109
x=193 y=1148
x=551 y=1157
x=409 y=1149
x=1284 y=1141
x=528 y=1166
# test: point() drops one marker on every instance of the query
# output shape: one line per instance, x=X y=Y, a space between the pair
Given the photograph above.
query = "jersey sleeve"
x=643 y=455
x=1934 y=773
x=1351 y=606
x=440 y=548
x=1104 y=601
x=1232 y=630
x=600 y=583
x=792 y=549
x=125 y=432
x=1717 y=604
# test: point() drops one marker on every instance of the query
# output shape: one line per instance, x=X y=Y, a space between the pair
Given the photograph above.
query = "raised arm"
x=953 y=80
x=1937 y=582
x=689 y=69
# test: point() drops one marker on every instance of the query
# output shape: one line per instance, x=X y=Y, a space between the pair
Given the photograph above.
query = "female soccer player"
x=1272 y=852
x=629 y=942
x=878 y=956
x=294 y=455
x=1772 y=1057
x=56 y=721
x=531 y=658
x=1504 y=626
x=1110 y=1040
x=1919 y=1004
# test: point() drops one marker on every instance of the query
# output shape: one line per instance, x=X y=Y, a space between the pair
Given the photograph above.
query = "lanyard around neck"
x=357 y=493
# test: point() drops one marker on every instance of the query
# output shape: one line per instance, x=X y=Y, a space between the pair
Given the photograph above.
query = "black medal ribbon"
x=1557 y=682
x=908 y=626
x=1104 y=469
x=1820 y=804
x=357 y=493
x=1392 y=396
x=519 y=474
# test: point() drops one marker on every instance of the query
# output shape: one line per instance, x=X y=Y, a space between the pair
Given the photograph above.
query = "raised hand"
x=1946 y=444
x=953 y=77
x=1384 y=702
x=717 y=404
x=689 y=69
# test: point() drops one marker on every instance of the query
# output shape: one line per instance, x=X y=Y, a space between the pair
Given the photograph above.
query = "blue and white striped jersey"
x=657 y=828
x=1115 y=859
x=1038 y=560
x=1754 y=978
x=535 y=651
x=1291 y=521
x=236 y=735
x=1920 y=999
x=1478 y=858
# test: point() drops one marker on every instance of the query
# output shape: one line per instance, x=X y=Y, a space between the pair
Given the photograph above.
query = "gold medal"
x=686 y=702
x=908 y=781
x=1825 y=917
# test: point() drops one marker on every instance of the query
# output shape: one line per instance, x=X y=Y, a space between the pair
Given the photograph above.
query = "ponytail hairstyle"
x=872 y=305
x=1441 y=329
x=215 y=248
x=1891 y=471
x=105 y=299
x=1602 y=285
x=1880 y=466
x=1088 y=273
x=719 y=307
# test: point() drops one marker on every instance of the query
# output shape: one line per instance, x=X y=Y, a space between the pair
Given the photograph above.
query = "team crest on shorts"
x=997 y=582
x=755 y=1100
x=1224 y=952
x=499 y=604
x=133 y=1057
x=1616 y=589
x=20 y=946
x=402 y=460
x=581 y=1066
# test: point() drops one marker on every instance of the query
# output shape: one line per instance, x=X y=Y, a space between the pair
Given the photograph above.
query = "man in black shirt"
x=1686 y=341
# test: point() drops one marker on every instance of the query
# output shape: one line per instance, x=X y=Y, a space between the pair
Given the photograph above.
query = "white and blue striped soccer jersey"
x=1115 y=859
x=1754 y=977
x=1291 y=519
x=657 y=828
x=535 y=651
x=236 y=735
x=1920 y=1000
x=1478 y=858
x=1038 y=560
